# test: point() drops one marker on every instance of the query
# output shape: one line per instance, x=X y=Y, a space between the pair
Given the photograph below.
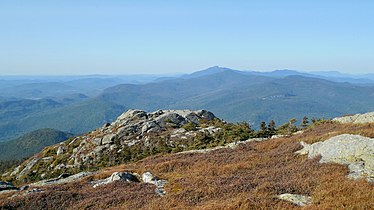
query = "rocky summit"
x=132 y=136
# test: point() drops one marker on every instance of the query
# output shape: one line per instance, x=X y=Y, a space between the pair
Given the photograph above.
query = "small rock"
x=97 y=141
x=108 y=139
x=47 y=159
x=148 y=177
x=106 y=125
x=16 y=170
x=60 y=166
x=25 y=187
x=60 y=150
x=299 y=200
x=35 y=190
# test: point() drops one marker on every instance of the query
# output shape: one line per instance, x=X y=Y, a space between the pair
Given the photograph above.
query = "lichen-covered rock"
x=358 y=118
x=298 y=200
x=353 y=150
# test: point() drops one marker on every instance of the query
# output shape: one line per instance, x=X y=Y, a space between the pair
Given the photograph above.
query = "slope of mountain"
x=134 y=135
x=16 y=108
x=275 y=173
x=31 y=143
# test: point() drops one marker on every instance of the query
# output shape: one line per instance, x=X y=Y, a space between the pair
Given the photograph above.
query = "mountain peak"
x=208 y=71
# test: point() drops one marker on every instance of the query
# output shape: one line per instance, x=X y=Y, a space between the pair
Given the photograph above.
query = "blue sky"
x=138 y=36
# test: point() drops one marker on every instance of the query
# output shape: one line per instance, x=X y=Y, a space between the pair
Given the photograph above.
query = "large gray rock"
x=358 y=118
x=123 y=176
x=133 y=113
x=151 y=126
x=117 y=176
x=170 y=117
x=353 y=150
x=127 y=130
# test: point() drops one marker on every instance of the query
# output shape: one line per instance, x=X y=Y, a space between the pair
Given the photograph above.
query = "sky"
x=66 y=37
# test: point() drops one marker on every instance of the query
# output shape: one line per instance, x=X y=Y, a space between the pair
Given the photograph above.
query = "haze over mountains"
x=78 y=105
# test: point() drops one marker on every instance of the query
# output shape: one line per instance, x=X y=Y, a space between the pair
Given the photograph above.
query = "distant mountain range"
x=247 y=96
x=231 y=94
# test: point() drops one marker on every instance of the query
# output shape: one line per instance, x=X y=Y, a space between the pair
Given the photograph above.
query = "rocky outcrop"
x=112 y=143
x=358 y=118
x=30 y=164
x=298 y=200
x=353 y=150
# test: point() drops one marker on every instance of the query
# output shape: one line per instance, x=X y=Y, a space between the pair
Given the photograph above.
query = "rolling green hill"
x=75 y=118
x=31 y=143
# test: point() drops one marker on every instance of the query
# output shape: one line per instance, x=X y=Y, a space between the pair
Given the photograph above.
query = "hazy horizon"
x=175 y=73
x=167 y=37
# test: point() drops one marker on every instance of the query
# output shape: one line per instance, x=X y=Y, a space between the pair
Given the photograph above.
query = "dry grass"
x=327 y=130
x=248 y=177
